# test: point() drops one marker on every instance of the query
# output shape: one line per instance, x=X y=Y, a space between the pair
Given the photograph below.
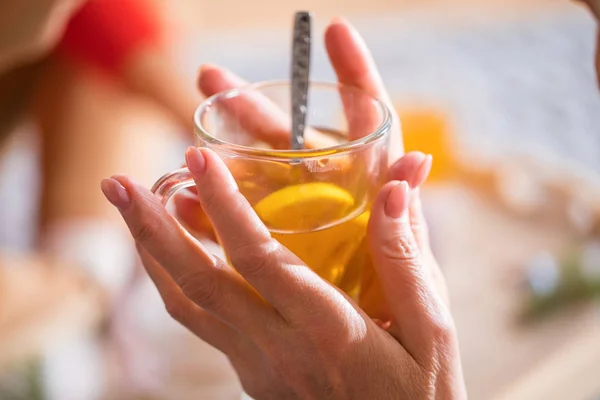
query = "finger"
x=207 y=281
x=418 y=223
x=281 y=277
x=192 y=216
x=255 y=113
x=186 y=312
x=371 y=298
x=352 y=60
x=420 y=230
x=414 y=168
x=414 y=304
x=354 y=66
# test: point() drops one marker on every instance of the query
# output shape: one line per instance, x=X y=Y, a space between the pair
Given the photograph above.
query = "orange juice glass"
x=315 y=201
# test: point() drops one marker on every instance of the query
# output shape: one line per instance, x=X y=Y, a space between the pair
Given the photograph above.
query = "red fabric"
x=106 y=32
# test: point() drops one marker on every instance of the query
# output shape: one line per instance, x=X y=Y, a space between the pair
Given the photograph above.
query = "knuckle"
x=210 y=199
x=142 y=234
x=200 y=287
x=146 y=230
x=400 y=247
x=442 y=328
x=177 y=308
x=442 y=341
x=254 y=260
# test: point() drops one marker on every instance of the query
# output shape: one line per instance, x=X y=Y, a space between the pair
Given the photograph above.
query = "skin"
x=412 y=360
x=401 y=343
x=594 y=6
x=28 y=31
x=29 y=28
x=75 y=110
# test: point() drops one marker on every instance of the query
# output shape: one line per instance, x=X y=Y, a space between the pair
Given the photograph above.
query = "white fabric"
x=74 y=371
x=105 y=250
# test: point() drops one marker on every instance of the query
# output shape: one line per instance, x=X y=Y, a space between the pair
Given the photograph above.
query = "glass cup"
x=315 y=201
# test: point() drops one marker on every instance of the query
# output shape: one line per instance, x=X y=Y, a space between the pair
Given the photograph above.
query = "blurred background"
x=503 y=94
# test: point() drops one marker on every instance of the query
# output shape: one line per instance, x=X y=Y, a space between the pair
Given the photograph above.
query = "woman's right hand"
x=307 y=339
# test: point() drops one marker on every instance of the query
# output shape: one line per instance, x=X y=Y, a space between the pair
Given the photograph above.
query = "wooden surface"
x=571 y=372
x=482 y=265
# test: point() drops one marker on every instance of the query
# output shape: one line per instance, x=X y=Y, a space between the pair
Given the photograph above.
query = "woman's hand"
x=354 y=66
x=288 y=333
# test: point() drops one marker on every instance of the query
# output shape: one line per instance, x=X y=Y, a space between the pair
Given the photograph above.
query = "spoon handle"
x=301 y=46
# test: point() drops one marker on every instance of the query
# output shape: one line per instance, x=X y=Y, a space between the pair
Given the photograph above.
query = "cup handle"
x=171 y=183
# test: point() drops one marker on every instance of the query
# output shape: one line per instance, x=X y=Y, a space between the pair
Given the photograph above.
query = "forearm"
x=91 y=128
x=128 y=40
x=154 y=75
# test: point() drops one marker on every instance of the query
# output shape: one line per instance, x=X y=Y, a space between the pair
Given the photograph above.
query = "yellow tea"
x=315 y=200
x=317 y=208
x=296 y=216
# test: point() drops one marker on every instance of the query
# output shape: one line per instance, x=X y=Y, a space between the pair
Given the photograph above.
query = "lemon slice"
x=305 y=206
x=329 y=251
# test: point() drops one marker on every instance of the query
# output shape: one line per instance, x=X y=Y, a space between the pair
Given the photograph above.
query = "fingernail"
x=195 y=161
x=115 y=193
x=424 y=170
x=397 y=201
x=427 y=163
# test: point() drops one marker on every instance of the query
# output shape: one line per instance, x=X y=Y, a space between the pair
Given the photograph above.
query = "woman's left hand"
x=287 y=332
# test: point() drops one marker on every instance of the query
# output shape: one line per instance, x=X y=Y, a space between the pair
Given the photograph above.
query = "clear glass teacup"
x=315 y=201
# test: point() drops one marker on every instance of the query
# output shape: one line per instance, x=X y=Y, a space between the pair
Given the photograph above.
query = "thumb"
x=418 y=315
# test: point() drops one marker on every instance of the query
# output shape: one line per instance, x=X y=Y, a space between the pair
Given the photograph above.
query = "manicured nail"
x=397 y=201
x=195 y=161
x=425 y=168
x=115 y=193
x=423 y=171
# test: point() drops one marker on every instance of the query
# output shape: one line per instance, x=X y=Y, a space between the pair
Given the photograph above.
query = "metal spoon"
x=300 y=73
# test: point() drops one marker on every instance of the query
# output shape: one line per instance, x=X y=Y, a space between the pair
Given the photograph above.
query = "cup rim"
x=379 y=133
